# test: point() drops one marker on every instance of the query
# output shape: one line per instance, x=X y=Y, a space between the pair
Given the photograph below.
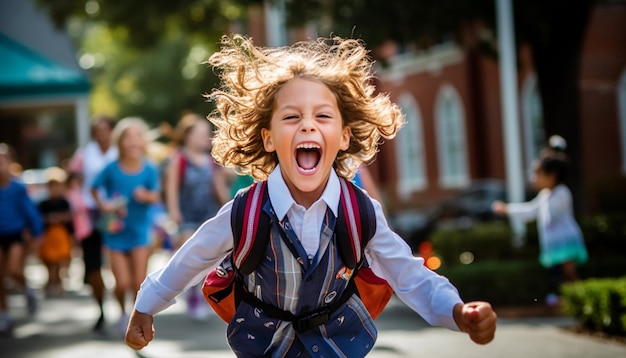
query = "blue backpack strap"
x=356 y=223
x=250 y=226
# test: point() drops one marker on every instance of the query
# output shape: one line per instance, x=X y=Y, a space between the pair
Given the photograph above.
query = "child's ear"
x=267 y=140
x=346 y=133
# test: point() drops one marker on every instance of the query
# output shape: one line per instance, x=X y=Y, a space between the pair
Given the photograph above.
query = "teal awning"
x=26 y=74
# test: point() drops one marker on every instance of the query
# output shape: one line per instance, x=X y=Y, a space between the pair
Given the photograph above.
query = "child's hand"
x=108 y=207
x=140 y=330
x=143 y=195
x=477 y=319
x=499 y=208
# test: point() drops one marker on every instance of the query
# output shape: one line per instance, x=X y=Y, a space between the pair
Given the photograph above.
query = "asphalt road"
x=62 y=328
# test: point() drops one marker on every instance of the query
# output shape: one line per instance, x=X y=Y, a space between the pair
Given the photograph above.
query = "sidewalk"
x=62 y=328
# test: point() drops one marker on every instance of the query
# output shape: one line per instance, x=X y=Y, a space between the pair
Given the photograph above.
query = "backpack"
x=223 y=287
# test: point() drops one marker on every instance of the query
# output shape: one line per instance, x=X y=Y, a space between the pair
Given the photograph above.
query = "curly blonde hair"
x=251 y=76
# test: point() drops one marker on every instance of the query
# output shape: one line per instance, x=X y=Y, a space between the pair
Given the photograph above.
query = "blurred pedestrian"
x=88 y=162
x=130 y=186
x=81 y=217
x=55 y=250
x=195 y=190
x=562 y=246
x=18 y=216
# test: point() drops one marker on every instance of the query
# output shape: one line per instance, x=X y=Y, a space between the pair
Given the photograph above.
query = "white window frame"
x=533 y=126
x=448 y=139
x=621 y=110
x=410 y=153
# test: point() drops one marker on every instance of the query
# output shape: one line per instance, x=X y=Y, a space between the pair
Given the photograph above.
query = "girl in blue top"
x=131 y=184
x=17 y=213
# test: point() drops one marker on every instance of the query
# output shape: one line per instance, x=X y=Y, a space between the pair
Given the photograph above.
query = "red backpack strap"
x=356 y=223
x=250 y=226
x=181 y=162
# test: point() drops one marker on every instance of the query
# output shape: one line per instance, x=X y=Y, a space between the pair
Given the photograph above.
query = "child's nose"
x=307 y=124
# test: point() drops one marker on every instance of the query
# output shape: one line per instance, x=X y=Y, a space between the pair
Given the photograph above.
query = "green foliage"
x=156 y=83
x=504 y=275
x=485 y=242
x=148 y=22
x=501 y=282
x=518 y=282
x=597 y=304
x=605 y=234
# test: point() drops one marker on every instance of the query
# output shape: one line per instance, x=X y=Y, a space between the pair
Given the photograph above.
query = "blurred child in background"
x=562 y=246
x=195 y=189
x=56 y=247
x=131 y=186
x=18 y=215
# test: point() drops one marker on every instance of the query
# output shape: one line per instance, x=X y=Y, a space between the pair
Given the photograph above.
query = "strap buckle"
x=312 y=320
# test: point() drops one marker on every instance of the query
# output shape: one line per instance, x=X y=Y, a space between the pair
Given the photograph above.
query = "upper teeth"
x=308 y=146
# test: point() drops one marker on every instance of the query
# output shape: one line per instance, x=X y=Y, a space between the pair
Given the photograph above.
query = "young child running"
x=17 y=214
x=55 y=250
x=301 y=117
x=561 y=242
x=195 y=189
x=131 y=184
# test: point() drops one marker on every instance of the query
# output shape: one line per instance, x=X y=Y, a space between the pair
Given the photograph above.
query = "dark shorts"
x=92 y=252
x=8 y=240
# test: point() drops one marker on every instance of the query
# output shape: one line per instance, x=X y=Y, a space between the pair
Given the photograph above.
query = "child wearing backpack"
x=300 y=119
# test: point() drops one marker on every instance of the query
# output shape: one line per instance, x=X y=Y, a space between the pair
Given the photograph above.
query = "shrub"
x=501 y=282
x=486 y=242
x=597 y=304
x=518 y=282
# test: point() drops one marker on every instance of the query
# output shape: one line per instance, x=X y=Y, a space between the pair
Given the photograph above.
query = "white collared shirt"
x=429 y=294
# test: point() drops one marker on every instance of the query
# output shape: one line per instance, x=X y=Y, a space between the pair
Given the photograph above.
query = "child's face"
x=55 y=189
x=132 y=143
x=5 y=162
x=102 y=133
x=306 y=132
x=199 y=136
x=544 y=180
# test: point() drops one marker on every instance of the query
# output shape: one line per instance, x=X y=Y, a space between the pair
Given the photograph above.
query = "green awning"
x=26 y=74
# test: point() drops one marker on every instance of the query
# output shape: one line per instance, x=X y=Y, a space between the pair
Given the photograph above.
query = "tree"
x=146 y=61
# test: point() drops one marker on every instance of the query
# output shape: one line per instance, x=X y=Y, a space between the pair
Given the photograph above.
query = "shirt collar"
x=282 y=200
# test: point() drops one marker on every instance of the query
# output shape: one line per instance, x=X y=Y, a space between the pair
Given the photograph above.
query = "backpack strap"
x=250 y=226
x=181 y=163
x=251 y=229
x=356 y=223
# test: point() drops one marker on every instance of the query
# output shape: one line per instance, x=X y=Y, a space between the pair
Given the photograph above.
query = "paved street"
x=62 y=328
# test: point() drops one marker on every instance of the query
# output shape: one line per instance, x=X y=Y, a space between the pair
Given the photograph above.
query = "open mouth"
x=308 y=156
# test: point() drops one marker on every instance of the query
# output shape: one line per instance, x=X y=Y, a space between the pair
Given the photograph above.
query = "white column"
x=275 y=26
x=510 y=112
x=82 y=121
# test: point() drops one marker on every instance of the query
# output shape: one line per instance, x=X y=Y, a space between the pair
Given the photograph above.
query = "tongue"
x=307 y=159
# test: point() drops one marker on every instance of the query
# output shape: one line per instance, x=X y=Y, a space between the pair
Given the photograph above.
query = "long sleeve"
x=35 y=223
x=527 y=211
x=429 y=294
x=202 y=252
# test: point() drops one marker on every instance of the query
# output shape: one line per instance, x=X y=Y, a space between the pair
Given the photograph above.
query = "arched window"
x=621 y=108
x=532 y=114
x=451 y=142
x=410 y=149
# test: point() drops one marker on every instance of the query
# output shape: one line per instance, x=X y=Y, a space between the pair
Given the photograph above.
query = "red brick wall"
x=603 y=62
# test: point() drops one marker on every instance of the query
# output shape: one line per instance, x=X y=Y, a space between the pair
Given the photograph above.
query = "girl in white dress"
x=561 y=242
